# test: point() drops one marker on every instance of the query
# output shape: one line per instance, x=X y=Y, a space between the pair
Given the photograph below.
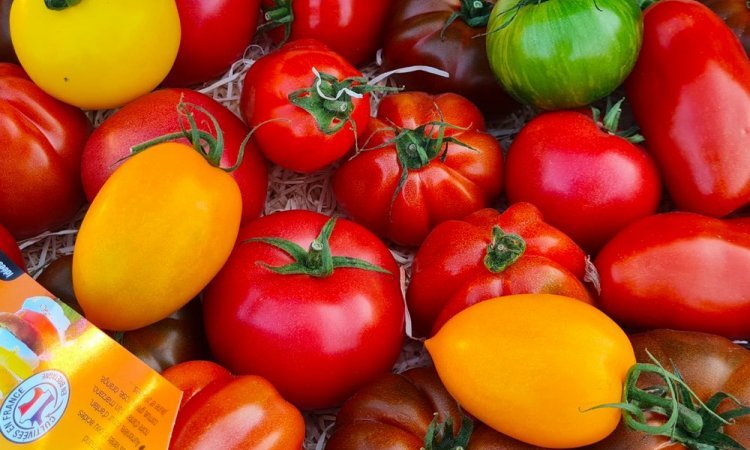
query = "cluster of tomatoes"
x=302 y=310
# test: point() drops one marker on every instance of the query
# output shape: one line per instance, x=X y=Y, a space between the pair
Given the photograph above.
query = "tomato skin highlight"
x=691 y=97
x=678 y=270
x=559 y=54
x=586 y=181
x=317 y=339
x=351 y=28
x=415 y=36
x=214 y=34
x=96 y=55
x=450 y=263
x=458 y=179
x=290 y=136
x=42 y=139
x=158 y=231
x=238 y=413
x=531 y=365
x=156 y=114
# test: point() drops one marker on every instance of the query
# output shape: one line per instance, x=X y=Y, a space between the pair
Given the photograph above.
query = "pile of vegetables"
x=575 y=285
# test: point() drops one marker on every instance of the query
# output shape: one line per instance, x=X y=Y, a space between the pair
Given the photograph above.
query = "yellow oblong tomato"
x=156 y=233
x=96 y=54
x=531 y=366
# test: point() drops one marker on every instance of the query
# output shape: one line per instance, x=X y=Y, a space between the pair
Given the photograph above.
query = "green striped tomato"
x=556 y=54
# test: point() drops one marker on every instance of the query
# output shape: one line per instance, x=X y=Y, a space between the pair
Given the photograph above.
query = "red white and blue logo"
x=34 y=407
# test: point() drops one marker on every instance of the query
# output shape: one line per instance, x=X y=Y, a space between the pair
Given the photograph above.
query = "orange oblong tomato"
x=533 y=365
x=158 y=231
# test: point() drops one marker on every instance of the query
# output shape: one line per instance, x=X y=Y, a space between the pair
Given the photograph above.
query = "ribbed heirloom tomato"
x=158 y=231
x=311 y=303
x=426 y=159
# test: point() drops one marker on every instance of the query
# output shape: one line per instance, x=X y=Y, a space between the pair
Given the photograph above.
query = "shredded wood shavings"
x=287 y=190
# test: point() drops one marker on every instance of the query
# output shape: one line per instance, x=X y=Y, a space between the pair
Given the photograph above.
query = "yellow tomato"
x=531 y=365
x=96 y=54
x=158 y=231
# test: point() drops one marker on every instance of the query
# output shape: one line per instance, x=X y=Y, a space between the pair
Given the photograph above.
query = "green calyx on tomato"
x=610 y=122
x=691 y=422
x=440 y=434
x=475 y=13
x=59 y=5
x=329 y=100
x=280 y=14
x=504 y=250
x=210 y=147
x=317 y=261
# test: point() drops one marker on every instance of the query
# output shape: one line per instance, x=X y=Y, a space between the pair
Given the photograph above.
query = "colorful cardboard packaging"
x=65 y=384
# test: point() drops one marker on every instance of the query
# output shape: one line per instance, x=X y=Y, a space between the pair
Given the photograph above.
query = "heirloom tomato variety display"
x=158 y=231
x=447 y=35
x=351 y=28
x=679 y=270
x=42 y=139
x=214 y=34
x=691 y=98
x=312 y=104
x=488 y=254
x=95 y=54
x=586 y=180
x=311 y=303
x=260 y=289
x=156 y=114
x=425 y=159
x=557 y=54
x=535 y=366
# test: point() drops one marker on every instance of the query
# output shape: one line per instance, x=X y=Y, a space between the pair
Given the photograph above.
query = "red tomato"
x=214 y=34
x=418 y=33
x=691 y=97
x=42 y=139
x=155 y=115
x=238 y=413
x=316 y=333
x=678 y=270
x=587 y=181
x=406 y=180
x=450 y=271
x=352 y=28
x=736 y=14
x=192 y=377
x=9 y=246
x=310 y=132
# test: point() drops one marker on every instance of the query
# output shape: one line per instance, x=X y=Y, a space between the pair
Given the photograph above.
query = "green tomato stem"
x=504 y=250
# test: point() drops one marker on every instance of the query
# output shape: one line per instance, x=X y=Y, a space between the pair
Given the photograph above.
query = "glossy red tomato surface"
x=585 y=180
x=407 y=180
x=691 y=97
x=213 y=35
x=352 y=28
x=155 y=115
x=310 y=138
x=42 y=139
x=317 y=337
x=678 y=270
x=736 y=14
x=241 y=412
x=450 y=270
